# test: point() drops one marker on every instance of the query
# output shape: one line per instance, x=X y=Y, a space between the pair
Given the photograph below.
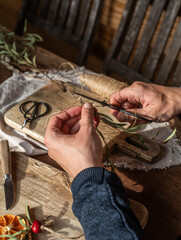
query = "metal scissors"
x=103 y=103
x=33 y=111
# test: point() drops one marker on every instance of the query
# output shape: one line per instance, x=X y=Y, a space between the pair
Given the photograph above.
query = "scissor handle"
x=34 y=114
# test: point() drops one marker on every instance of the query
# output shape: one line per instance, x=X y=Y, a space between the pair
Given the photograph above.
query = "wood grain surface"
x=59 y=97
x=47 y=191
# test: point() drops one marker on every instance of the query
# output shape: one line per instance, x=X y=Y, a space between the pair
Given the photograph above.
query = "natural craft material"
x=100 y=84
x=16 y=228
x=12 y=226
x=18 y=53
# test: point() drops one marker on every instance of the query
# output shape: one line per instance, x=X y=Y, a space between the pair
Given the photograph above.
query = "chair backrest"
x=147 y=43
x=73 y=21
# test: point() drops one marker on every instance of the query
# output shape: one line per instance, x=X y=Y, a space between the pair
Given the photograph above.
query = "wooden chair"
x=73 y=21
x=146 y=46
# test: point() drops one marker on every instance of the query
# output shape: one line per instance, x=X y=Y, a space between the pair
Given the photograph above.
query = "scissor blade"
x=114 y=107
x=95 y=100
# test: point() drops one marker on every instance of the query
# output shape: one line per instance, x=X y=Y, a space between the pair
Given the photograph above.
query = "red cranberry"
x=36 y=226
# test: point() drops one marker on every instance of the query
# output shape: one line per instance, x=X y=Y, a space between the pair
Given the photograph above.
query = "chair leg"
x=21 y=20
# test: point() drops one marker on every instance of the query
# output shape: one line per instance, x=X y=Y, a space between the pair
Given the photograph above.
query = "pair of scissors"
x=103 y=103
x=32 y=112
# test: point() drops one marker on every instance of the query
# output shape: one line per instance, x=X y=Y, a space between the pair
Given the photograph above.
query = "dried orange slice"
x=9 y=224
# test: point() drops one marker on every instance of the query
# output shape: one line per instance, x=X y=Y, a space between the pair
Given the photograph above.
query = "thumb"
x=87 y=117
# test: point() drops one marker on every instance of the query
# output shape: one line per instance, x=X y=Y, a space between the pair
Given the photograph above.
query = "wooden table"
x=159 y=191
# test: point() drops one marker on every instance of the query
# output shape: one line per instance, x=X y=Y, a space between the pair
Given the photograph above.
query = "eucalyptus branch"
x=18 y=53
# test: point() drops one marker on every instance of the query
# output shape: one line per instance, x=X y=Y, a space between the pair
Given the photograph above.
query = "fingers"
x=58 y=121
x=75 y=128
x=87 y=118
x=72 y=125
x=122 y=117
x=54 y=124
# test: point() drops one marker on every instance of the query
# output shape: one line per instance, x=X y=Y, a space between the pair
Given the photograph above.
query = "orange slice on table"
x=9 y=224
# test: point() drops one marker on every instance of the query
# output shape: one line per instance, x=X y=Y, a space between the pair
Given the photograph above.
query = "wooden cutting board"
x=59 y=97
x=47 y=191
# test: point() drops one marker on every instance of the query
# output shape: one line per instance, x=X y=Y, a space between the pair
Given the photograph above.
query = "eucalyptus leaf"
x=104 y=115
x=19 y=50
x=22 y=62
x=20 y=220
x=18 y=233
x=6 y=236
x=136 y=127
x=14 y=52
x=25 y=26
x=38 y=37
x=29 y=44
x=26 y=58
x=3 y=52
x=171 y=136
x=14 y=46
x=155 y=135
x=10 y=33
x=34 y=61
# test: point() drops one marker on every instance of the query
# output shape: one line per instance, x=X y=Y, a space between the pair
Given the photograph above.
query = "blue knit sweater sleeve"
x=101 y=206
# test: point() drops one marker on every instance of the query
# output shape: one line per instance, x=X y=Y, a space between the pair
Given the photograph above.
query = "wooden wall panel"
x=110 y=18
x=109 y=21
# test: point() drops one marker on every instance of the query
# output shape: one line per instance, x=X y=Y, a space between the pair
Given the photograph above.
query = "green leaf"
x=18 y=233
x=34 y=61
x=14 y=52
x=20 y=220
x=28 y=214
x=104 y=115
x=171 y=136
x=26 y=58
x=132 y=129
x=10 y=34
x=29 y=44
x=6 y=235
x=22 y=62
x=178 y=137
x=36 y=36
x=3 y=52
x=24 y=50
x=155 y=135
x=14 y=45
x=25 y=26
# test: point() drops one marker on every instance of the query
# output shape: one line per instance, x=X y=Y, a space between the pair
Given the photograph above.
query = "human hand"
x=151 y=101
x=72 y=140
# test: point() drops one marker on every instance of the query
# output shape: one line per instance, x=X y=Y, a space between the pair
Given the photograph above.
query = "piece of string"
x=78 y=99
x=48 y=221
x=60 y=235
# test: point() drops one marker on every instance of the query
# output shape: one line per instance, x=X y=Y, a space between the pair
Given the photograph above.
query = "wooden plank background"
x=109 y=21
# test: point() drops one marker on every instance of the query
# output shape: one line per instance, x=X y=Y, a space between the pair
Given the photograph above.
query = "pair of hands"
x=71 y=136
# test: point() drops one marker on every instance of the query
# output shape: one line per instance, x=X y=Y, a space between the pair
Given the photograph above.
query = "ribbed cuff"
x=93 y=175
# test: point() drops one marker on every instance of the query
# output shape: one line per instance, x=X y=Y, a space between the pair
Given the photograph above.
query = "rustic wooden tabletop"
x=159 y=190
